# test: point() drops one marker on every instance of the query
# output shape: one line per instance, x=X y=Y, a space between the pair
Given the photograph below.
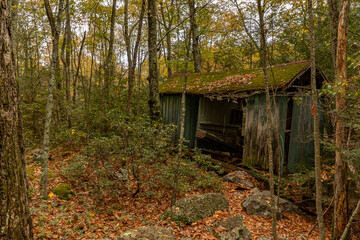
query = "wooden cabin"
x=226 y=111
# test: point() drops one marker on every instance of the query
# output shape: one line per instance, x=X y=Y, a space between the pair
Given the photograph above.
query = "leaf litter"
x=85 y=217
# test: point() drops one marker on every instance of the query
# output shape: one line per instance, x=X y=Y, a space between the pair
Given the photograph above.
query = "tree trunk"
x=341 y=183
x=167 y=27
x=67 y=64
x=109 y=64
x=270 y=153
x=76 y=77
x=182 y=124
x=319 y=210
x=132 y=59
x=154 y=99
x=55 y=31
x=195 y=37
x=15 y=220
x=334 y=21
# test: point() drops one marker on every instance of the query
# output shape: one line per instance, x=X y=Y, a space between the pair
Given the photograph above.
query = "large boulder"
x=239 y=177
x=122 y=174
x=148 y=233
x=63 y=191
x=270 y=238
x=191 y=209
x=259 y=204
x=235 y=229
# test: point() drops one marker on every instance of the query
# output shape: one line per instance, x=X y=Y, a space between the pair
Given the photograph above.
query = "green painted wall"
x=171 y=112
x=255 y=151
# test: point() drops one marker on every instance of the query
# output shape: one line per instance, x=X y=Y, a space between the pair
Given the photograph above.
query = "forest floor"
x=86 y=216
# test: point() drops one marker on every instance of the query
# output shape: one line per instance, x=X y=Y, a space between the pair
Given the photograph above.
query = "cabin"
x=226 y=111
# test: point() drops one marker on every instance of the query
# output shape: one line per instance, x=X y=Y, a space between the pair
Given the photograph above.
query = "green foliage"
x=203 y=160
x=191 y=178
x=76 y=169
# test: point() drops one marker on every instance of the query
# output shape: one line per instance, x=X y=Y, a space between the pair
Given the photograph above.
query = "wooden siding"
x=171 y=113
x=255 y=151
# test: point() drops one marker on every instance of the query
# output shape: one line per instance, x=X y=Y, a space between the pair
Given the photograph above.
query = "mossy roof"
x=229 y=82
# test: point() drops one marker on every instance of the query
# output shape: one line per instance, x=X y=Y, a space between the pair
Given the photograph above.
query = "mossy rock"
x=194 y=208
x=63 y=191
x=148 y=233
x=51 y=173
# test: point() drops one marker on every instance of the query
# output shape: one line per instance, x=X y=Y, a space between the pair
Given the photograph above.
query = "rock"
x=37 y=156
x=301 y=236
x=239 y=177
x=148 y=233
x=264 y=238
x=270 y=238
x=63 y=191
x=259 y=204
x=235 y=229
x=254 y=191
x=122 y=174
x=191 y=209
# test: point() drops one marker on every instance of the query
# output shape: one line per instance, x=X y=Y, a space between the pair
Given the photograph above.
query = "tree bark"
x=132 y=58
x=67 y=62
x=76 y=77
x=154 y=99
x=318 y=184
x=334 y=21
x=15 y=220
x=109 y=64
x=270 y=153
x=55 y=31
x=341 y=183
x=182 y=124
x=195 y=37
x=167 y=27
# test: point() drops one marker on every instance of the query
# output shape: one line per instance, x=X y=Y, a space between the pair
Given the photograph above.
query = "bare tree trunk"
x=55 y=31
x=341 y=183
x=132 y=59
x=270 y=153
x=15 y=219
x=67 y=64
x=109 y=64
x=348 y=225
x=334 y=21
x=76 y=77
x=167 y=27
x=195 y=37
x=154 y=100
x=182 y=125
x=319 y=210
x=14 y=27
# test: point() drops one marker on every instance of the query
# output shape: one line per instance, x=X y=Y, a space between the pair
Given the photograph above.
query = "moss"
x=51 y=173
x=63 y=191
x=31 y=173
x=225 y=82
x=194 y=208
